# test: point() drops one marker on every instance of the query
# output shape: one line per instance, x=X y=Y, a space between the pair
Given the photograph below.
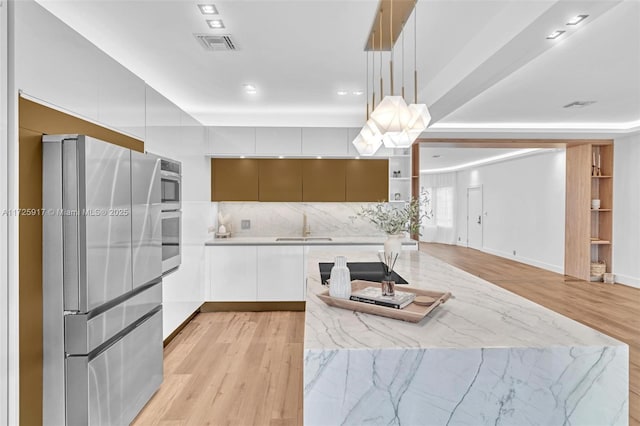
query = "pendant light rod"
x=391 y=46
x=373 y=73
x=403 y=60
x=415 y=50
x=380 y=38
x=366 y=95
x=366 y=84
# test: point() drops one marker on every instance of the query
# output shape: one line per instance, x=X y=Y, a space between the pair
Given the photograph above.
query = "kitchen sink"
x=304 y=239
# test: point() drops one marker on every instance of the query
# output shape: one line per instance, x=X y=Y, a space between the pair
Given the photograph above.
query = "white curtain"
x=441 y=189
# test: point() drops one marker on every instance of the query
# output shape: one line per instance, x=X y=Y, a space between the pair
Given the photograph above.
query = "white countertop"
x=480 y=314
x=335 y=241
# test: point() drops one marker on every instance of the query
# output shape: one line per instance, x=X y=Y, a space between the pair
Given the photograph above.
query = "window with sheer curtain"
x=444 y=206
x=441 y=227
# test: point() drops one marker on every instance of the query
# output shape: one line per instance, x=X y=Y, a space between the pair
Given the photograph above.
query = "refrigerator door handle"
x=71 y=225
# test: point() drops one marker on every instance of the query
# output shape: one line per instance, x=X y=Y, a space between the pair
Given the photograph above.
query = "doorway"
x=475 y=219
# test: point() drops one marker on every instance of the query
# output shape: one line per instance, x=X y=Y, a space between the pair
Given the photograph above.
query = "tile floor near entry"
x=245 y=368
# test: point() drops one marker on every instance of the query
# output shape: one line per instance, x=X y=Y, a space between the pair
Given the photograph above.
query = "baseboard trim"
x=251 y=306
x=178 y=329
x=627 y=280
x=526 y=260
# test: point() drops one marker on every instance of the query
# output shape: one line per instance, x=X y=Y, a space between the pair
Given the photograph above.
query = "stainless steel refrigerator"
x=102 y=291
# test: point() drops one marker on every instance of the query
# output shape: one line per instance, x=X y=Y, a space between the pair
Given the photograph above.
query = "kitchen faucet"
x=306 y=228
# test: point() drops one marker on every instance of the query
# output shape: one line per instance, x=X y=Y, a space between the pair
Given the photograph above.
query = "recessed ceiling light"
x=342 y=92
x=358 y=92
x=579 y=104
x=208 y=9
x=216 y=24
x=357 y=158
x=281 y=157
x=577 y=19
x=243 y=156
x=554 y=35
x=319 y=157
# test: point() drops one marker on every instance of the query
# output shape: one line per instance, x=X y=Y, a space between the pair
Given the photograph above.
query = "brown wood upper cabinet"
x=323 y=180
x=367 y=180
x=312 y=180
x=280 y=180
x=234 y=179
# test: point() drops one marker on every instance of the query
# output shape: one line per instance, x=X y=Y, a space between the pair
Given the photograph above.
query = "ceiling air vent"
x=579 y=104
x=216 y=43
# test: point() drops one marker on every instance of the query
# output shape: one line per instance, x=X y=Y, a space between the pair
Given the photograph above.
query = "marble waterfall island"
x=486 y=357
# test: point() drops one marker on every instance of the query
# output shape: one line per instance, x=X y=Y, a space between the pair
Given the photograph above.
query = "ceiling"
x=442 y=159
x=481 y=63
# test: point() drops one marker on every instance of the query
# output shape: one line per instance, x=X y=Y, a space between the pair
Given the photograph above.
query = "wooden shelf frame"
x=582 y=222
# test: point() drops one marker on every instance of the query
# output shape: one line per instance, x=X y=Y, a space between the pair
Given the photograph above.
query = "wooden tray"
x=411 y=313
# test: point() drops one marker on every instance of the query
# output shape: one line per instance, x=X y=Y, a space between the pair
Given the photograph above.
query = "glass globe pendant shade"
x=369 y=140
x=391 y=115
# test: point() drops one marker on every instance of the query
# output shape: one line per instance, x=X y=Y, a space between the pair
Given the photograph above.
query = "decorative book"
x=374 y=296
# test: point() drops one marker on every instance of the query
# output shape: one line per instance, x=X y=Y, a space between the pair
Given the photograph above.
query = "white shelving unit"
x=400 y=175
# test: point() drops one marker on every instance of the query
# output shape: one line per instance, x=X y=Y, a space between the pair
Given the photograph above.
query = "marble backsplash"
x=285 y=219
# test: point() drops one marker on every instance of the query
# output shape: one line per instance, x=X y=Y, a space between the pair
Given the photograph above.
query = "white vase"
x=340 y=279
x=393 y=245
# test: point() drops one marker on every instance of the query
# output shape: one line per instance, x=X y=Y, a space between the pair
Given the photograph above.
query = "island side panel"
x=508 y=386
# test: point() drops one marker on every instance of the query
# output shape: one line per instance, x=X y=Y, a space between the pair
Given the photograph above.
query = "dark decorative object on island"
x=367 y=271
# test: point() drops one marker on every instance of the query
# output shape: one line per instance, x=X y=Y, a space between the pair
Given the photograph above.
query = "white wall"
x=524 y=208
x=4 y=261
x=174 y=134
x=626 y=210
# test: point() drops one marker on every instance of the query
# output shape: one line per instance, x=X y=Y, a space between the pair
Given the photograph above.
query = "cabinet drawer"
x=84 y=333
x=112 y=386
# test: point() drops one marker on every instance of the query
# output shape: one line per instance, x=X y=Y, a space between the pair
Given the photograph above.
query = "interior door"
x=475 y=219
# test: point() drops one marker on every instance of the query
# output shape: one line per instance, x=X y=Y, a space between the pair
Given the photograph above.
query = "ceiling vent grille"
x=216 y=43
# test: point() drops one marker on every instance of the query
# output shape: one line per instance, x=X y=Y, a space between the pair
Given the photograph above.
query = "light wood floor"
x=611 y=309
x=245 y=368
x=232 y=368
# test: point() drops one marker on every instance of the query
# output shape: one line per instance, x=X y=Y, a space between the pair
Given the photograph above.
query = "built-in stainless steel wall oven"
x=171 y=180
x=171 y=189
x=171 y=235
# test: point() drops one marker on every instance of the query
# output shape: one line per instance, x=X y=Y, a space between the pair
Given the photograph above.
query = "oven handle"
x=171 y=214
x=172 y=175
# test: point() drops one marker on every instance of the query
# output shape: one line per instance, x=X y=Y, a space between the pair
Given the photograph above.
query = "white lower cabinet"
x=256 y=273
x=233 y=273
x=281 y=273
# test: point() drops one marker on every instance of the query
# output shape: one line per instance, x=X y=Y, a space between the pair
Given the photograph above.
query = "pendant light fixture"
x=392 y=122
x=392 y=114
x=369 y=140
x=420 y=117
x=419 y=113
